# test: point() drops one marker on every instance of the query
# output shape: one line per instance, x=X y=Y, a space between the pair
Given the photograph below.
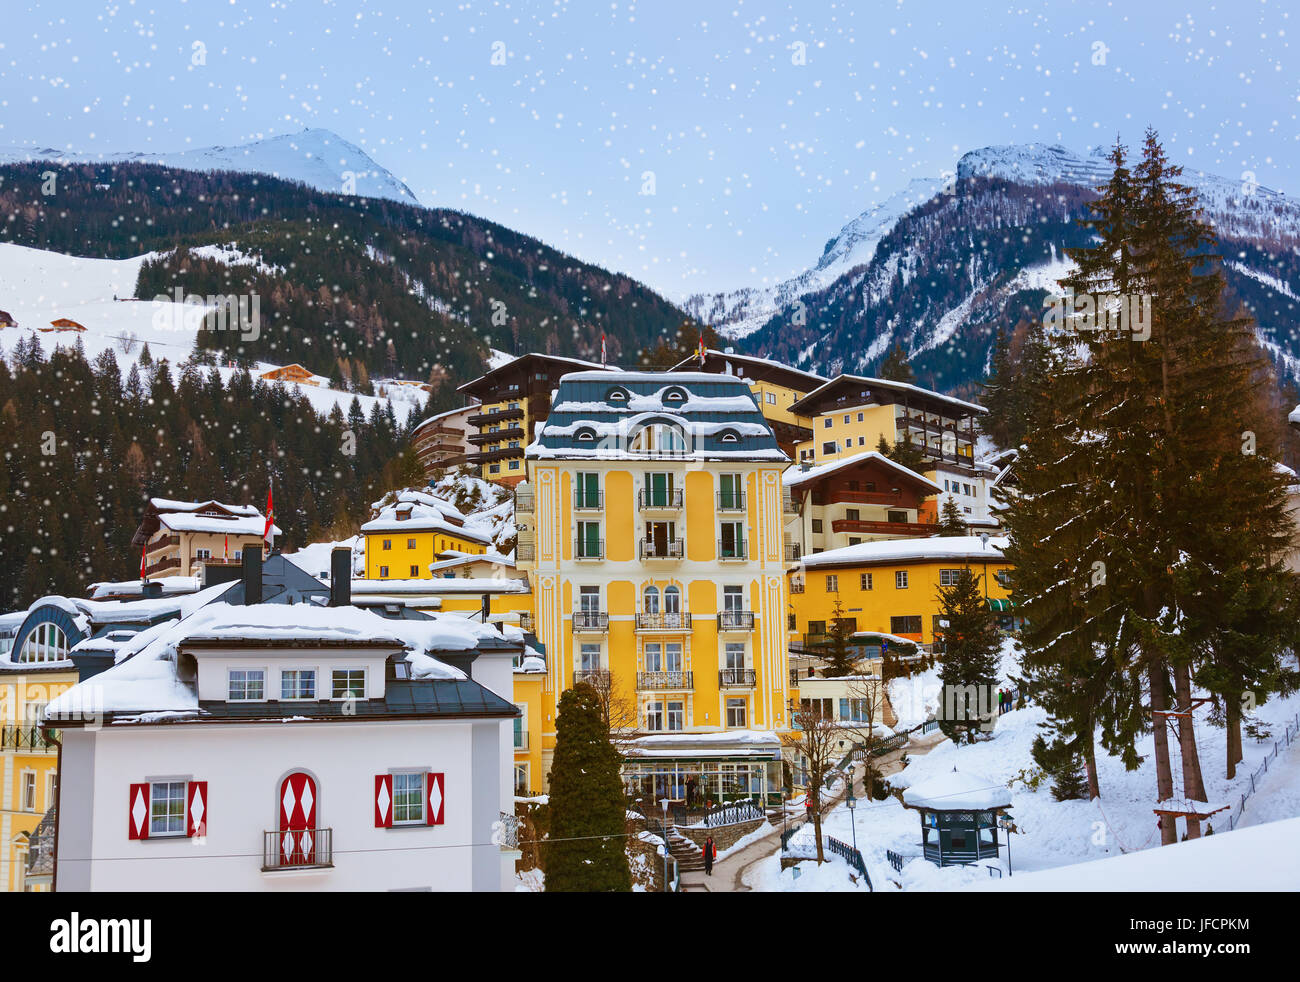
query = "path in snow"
x=1278 y=794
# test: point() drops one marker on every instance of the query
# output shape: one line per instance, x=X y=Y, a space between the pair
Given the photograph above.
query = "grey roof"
x=402 y=697
x=596 y=415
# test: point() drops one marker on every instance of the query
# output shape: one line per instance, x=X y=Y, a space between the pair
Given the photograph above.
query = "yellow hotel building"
x=891 y=586
x=29 y=679
x=652 y=530
x=413 y=529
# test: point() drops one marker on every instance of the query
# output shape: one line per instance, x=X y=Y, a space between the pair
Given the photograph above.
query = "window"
x=905 y=625
x=246 y=685
x=348 y=683
x=817 y=526
x=676 y=715
x=829 y=447
x=730 y=436
x=654 y=716
x=969 y=490
x=408 y=798
x=733 y=598
x=410 y=543
x=521 y=727
x=383 y=570
x=770 y=398
x=590 y=658
x=732 y=544
x=855 y=540
x=51 y=789
x=674 y=395
x=1004 y=577
x=167 y=808
x=672 y=600
x=900 y=579
x=514 y=464
x=821 y=708
x=735 y=655
x=864 y=581
x=846 y=417
x=415 y=571
x=29 y=791
x=832 y=583
x=730 y=494
x=388 y=543
x=202 y=553
x=862 y=441
x=735 y=712
x=896 y=516
x=45 y=642
x=860 y=417
x=650 y=600
x=298 y=683
x=521 y=779
x=827 y=423
x=586 y=490
x=654 y=657
x=853 y=514
x=949 y=577
x=588 y=540
x=673 y=656
x=854 y=710
x=658 y=438
x=617 y=395
x=496 y=468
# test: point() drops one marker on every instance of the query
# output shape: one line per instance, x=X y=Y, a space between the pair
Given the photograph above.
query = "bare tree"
x=617 y=709
x=869 y=690
x=817 y=738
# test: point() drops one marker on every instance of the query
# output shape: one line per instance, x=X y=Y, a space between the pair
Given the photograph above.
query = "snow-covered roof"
x=956 y=547
x=188 y=522
x=956 y=790
x=900 y=388
x=794 y=476
x=425 y=511
x=172 y=504
x=806 y=381
x=1294 y=416
x=432 y=586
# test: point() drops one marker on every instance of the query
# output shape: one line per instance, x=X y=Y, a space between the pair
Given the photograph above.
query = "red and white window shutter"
x=434 y=811
x=138 y=812
x=196 y=809
x=383 y=801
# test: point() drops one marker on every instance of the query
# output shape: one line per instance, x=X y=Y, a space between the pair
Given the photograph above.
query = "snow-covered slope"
x=741 y=312
x=315 y=157
x=37 y=287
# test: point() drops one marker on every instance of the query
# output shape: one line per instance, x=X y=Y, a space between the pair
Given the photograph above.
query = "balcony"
x=521 y=740
x=172 y=562
x=527 y=622
x=297 y=849
x=731 y=500
x=883 y=528
x=594 y=676
x=491 y=456
x=888 y=498
x=737 y=678
x=525 y=552
x=736 y=620
x=525 y=503
x=588 y=500
x=665 y=680
x=793 y=552
x=499 y=416
x=649 y=499
x=667 y=550
x=592 y=549
x=162 y=542
x=215 y=561
x=660 y=621
x=733 y=551
x=491 y=436
x=787 y=503
x=796 y=586
x=590 y=621
x=30 y=737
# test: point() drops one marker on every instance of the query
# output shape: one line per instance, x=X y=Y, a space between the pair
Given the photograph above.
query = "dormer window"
x=586 y=435
x=616 y=395
x=730 y=436
x=659 y=438
x=675 y=395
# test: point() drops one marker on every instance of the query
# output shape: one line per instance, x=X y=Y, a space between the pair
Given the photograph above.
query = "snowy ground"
x=1051 y=833
x=37 y=287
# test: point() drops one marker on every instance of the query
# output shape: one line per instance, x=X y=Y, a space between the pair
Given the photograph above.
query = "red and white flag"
x=602 y=349
x=701 y=349
x=225 y=548
x=142 y=549
x=270 y=512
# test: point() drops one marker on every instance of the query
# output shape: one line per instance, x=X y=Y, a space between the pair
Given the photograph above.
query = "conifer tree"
x=951 y=522
x=586 y=851
x=896 y=367
x=970 y=660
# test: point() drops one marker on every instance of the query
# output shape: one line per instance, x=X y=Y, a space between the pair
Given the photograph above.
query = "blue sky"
x=757 y=158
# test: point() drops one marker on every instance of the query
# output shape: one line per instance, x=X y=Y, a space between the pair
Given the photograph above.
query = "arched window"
x=672 y=600
x=617 y=395
x=730 y=436
x=46 y=642
x=658 y=438
x=587 y=435
x=650 y=600
x=675 y=395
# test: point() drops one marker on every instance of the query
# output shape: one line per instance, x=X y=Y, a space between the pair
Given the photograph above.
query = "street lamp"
x=1007 y=825
x=664 y=803
x=852 y=802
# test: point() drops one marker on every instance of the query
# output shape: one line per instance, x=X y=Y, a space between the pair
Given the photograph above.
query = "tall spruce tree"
x=586 y=851
x=951 y=522
x=896 y=367
x=970 y=660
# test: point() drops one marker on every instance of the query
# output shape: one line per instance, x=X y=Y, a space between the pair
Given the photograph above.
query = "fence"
x=895 y=860
x=1292 y=731
x=851 y=856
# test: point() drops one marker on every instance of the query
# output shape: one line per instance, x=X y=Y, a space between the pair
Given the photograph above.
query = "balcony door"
x=298 y=820
x=658 y=535
x=588 y=491
x=659 y=490
x=672 y=607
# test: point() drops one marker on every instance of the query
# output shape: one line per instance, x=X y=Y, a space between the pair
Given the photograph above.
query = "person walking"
x=710 y=854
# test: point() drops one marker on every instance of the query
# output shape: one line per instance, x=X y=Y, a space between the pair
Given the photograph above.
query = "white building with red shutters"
x=290 y=746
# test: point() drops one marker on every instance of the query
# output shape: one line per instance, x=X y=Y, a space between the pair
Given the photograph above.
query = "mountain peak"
x=319 y=158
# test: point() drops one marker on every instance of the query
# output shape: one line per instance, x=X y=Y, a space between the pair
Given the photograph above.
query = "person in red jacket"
x=710 y=854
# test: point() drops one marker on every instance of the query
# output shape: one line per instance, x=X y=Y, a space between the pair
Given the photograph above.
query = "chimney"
x=341 y=577
x=150 y=589
x=252 y=575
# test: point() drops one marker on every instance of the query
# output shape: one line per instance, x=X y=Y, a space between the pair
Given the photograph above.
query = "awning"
x=1000 y=606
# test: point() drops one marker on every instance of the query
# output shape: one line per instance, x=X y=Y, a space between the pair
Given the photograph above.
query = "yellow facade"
x=529 y=776
x=875 y=596
x=28 y=767
x=406 y=554
x=510 y=469
x=703 y=690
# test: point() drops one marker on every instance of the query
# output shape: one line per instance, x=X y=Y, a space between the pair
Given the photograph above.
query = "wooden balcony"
x=171 y=562
x=491 y=436
x=884 y=528
x=500 y=416
x=162 y=542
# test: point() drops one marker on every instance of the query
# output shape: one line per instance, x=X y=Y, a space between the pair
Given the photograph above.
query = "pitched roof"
x=873 y=387
x=794 y=477
x=753 y=368
x=936 y=547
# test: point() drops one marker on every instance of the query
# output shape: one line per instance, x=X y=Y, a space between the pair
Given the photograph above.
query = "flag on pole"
x=700 y=350
x=142 y=549
x=225 y=548
x=270 y=512
x=602 y=349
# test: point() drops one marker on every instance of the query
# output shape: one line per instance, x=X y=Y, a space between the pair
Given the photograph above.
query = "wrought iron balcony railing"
x=588 y=500
x=661 y=621
x=589 y=549
x=665 y=680
x=735 y=550
x=737 y=678
x=736 y=620
x=590 y=621
x=650 y=499
x=596 y=676
x=297 y=848
x=731 y=501
x=669 y=549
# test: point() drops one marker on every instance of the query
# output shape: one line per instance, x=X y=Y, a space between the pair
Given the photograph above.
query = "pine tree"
x=970 y=660
x=1063 y=765
x=586 y=851
x=896 y=367
x=838 y=654
x=951 y=522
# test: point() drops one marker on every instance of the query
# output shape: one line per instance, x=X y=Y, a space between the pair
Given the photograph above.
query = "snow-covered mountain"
x=318 y=158
x=934 y=269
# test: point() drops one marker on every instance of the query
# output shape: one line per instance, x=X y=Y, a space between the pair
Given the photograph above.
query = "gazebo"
x=959 y=816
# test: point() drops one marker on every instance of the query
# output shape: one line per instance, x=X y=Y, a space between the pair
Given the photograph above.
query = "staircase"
x=887 y=714
x=689 y=856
